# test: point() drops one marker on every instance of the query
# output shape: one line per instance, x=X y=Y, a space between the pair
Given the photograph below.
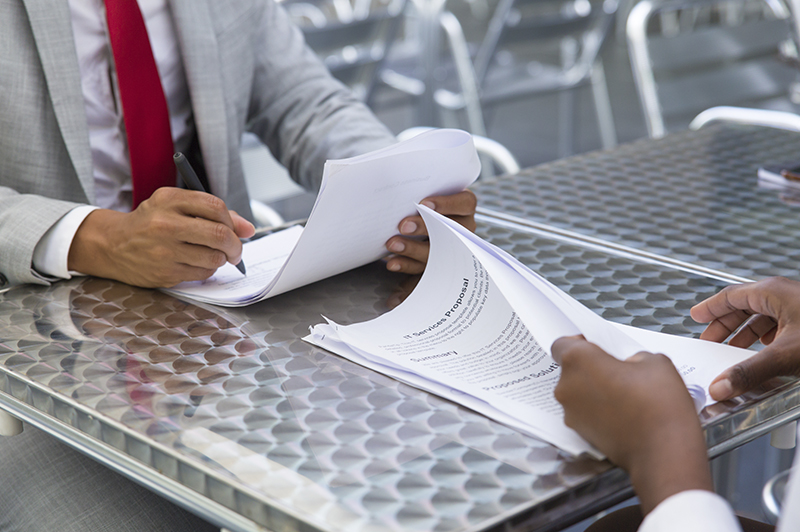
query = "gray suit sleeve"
x=40 y=98
x=298 y=109
x=24 y=219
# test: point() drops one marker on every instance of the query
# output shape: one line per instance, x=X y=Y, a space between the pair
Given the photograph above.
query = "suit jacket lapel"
x=194 y=26
x=52 y=28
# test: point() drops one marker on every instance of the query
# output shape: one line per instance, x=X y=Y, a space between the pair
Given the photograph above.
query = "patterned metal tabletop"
x=691 y=196
x=230 y=413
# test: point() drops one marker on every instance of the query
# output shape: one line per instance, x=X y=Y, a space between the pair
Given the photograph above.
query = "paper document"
x=360 y=203
x=780 y=176
x=478 y=328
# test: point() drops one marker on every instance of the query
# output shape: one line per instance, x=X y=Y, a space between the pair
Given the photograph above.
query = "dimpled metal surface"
x=692 y=196
x=232 y=404
x=622 y=290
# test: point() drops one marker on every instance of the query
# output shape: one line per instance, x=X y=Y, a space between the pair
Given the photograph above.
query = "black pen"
x=192 y=182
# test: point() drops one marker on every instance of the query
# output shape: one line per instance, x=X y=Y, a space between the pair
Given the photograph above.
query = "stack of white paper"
x=360 y=203
x=478 y=330
x=771 y=177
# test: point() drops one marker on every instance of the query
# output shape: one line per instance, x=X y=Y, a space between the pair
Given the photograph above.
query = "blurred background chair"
x=529 y=48
x=538 y=47
x=689 y=55
x=743 y=115
x=773 y=494
x=353 y=40
x=354 y=44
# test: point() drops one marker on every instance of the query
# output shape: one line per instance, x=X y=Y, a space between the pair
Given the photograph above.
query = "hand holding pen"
x=175 y=235
x=192 y=182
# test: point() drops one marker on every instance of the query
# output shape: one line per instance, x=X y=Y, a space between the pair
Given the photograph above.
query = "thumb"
x=241 y=226
x=777 y=359
x=564 y=344
x=641 y=357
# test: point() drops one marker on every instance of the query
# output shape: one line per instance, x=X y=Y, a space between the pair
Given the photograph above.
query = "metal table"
x=230 y=414
x=690 y=199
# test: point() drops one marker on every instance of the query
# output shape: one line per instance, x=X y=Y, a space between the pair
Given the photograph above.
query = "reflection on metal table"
x=230 y=414
x=691 y=199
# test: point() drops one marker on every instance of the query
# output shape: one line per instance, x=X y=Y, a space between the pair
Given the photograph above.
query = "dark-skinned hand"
x=638 y=413
x=410 y=248
x=770 y=312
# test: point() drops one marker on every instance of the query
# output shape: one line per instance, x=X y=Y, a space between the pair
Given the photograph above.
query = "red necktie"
x=144 y=106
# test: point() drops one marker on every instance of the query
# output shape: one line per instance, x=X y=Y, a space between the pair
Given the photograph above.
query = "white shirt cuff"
x=52 y=251
x=692 y=511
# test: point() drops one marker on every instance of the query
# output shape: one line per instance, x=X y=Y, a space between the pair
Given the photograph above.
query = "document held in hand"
x=360 y=203
x=478 y=328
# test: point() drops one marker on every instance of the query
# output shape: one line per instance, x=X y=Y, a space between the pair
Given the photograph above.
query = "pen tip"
x=241 y=267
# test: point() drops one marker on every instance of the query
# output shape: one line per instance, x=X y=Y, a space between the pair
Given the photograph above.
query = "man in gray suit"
x=226 y=66
x=246 y=68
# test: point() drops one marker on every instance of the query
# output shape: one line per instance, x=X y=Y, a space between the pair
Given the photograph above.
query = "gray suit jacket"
x=247 y=68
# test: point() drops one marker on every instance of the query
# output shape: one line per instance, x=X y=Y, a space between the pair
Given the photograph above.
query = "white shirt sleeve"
x=52 y=251
x=692 y=511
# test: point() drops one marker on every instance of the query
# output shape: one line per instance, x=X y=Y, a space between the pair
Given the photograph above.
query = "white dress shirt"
x=690 y=511
x=111 y=164
x=703 y=511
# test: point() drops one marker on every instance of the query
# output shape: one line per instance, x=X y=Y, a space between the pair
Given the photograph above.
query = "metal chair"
x=419 y=64
x=689 y=55
x=538 y=47
x=772 y=495
x=785 y=437
x=741 y=115
x=267 y=181
x=353 y=45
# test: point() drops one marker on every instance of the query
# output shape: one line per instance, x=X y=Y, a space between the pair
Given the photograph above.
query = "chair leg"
x=466 y=74
x=566 y=122
x=602 y=106
x=430 y=38
x=623 y=10
x=9 y=425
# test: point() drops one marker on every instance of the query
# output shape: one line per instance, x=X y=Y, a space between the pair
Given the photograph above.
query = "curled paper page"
x=478 y=329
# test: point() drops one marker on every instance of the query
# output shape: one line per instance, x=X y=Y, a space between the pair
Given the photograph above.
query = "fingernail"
x=408 y=228
x=396 y=246
x=430 y=205
x=721 y=390
x=393 y=267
